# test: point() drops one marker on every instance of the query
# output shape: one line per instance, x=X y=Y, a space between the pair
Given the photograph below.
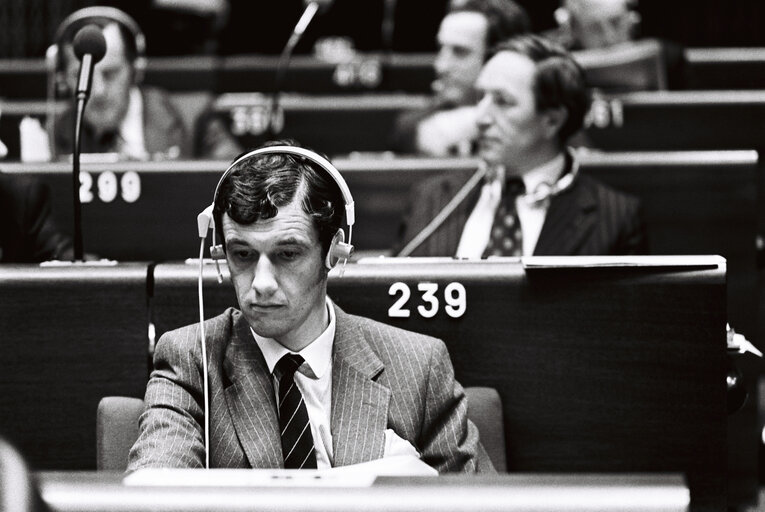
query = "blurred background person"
x=600 y=32
x=585 y=24
x=469 y=29
x=124 y=117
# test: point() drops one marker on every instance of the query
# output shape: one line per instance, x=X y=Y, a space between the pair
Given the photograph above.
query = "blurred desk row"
x=604 y=365
x=342 y=124
x=75 y=492
x=697 y=202
x=705 y=68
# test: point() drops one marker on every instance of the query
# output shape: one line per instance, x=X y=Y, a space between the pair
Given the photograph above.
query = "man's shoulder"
x=380 y=333
x=217 y=329
x=605 y=193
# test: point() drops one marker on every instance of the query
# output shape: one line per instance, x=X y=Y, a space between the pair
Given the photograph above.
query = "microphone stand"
x=284 y=59
x=81 y=99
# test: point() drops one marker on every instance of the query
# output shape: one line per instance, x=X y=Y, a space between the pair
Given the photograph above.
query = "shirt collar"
x=549 y=172
x=318 y=353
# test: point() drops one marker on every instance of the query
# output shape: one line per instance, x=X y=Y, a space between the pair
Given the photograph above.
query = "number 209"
x=455 y=298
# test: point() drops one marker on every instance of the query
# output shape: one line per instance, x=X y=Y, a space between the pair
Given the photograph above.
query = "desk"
x=365 y=72
x=80 y=492
x=672 y=120
x=724 y=68
x=70 y=335
x=612 y=369
x=147 y=211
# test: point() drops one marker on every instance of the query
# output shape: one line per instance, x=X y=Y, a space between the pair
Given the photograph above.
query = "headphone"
x=338 y=249
x=54 y=56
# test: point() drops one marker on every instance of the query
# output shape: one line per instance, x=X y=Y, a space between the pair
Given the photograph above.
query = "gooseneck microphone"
x=312 y=7
x=89 y=46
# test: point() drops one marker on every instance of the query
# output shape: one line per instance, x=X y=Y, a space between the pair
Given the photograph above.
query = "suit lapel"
x=446 y=238
x=359 y=404
x=250 y=399
x=569 y=221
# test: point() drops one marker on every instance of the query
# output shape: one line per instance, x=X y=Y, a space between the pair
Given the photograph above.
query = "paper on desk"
x=530 y=262
x=356 y=475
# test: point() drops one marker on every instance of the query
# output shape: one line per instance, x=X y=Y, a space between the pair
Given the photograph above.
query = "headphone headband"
x=107 y=13
x=314 y=157
x=339 y=249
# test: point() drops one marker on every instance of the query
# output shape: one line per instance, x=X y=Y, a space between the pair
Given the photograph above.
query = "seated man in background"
x=469 y=29
x=279 y=215
x=532 y=199
x=27 y=231
x=122 y=116
x=590 y=28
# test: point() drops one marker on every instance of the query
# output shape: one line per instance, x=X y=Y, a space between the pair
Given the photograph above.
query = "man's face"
x=112 y=80
x=511 y=130
x=600 y=23
x=462 y=46
x=279 y=275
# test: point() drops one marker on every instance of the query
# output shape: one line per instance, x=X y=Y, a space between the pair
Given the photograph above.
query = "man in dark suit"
x=532 y=199
x=362 y=390
x=27 y=231
x=123 y=116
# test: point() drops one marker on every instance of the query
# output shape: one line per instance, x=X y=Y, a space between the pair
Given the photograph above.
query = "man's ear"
x=554 y=119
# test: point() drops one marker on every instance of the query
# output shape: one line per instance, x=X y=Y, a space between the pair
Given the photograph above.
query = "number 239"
x=455 y=297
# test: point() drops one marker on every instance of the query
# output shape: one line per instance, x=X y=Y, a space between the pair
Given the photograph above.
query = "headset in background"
x=339 y=249
x=101 y=16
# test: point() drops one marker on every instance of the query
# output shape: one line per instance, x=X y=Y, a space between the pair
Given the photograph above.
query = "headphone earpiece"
x=338 y=250
x=217 y=253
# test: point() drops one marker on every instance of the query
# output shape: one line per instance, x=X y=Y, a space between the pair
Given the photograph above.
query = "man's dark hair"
x=505 y=18
x=558 y=80
x=259 y=185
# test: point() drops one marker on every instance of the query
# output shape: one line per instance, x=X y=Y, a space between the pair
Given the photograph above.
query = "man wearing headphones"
x=294 y=381
x=532 y=199
x=134 y=121
x=469 y=29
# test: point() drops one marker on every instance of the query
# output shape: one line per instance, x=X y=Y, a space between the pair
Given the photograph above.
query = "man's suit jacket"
x=164 y=132
x=586 y=219
x=382 y=378
x=27 y=231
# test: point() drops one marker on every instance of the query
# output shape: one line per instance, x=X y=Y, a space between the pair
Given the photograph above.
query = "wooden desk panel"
x=70 y=336
x=607 y=370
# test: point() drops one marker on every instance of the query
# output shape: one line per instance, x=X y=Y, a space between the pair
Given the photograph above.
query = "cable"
x=206 y=391
x=447 y=210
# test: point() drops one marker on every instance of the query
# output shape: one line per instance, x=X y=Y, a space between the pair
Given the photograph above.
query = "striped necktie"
x=297 y=440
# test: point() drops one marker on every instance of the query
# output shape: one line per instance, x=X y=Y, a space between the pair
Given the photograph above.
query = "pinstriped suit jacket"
x=382 y=377
x=587 y=219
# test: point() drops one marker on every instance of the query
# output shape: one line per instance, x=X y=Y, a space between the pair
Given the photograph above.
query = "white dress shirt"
x=314 y=380
x=131 y=129
x=477 y=230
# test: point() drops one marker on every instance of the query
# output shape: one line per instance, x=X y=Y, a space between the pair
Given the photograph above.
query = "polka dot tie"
x=506 y=237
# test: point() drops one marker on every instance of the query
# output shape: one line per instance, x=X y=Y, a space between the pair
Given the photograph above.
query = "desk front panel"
x=606 y=370
x=70 y=335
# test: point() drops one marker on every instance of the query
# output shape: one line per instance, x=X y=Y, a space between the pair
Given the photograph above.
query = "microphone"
x=311 y=8
x=89 y=46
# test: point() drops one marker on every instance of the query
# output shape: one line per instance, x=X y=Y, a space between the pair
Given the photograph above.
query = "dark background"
x=263 y=26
